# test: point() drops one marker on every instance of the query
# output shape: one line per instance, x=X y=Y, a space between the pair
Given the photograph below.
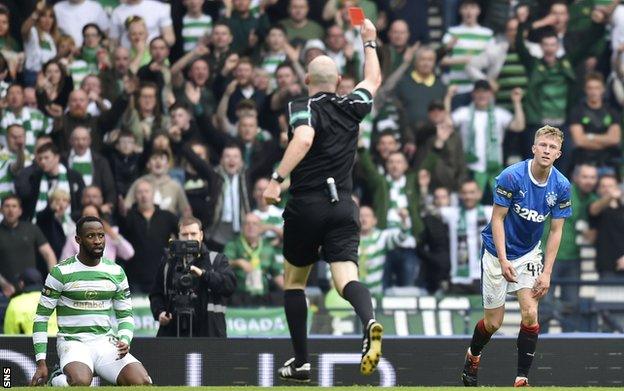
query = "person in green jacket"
x=568 y=263
x=551 y=79
x=391 y=193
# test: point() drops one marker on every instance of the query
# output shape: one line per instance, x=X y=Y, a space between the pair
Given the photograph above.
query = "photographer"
x=191 y=285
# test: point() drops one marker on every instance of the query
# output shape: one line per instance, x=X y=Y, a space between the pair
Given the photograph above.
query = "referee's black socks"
x=527 y=342
x=359 y=297
x=296 y=309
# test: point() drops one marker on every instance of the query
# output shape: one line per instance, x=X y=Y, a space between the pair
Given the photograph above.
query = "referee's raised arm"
x=372 y=70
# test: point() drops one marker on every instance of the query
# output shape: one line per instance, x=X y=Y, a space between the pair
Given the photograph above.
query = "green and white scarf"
x=83 y=164
x=492 y=141
x=48 y=185
x=398 y=201
x=461 y=264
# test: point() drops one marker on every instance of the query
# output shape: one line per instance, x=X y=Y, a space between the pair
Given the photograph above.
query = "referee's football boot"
x=56 y=371
x=292 y=373
x=471 y=369
x=521 y=382
x=371 y=347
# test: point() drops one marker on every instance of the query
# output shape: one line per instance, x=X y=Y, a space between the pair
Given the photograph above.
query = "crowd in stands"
x=144 y=111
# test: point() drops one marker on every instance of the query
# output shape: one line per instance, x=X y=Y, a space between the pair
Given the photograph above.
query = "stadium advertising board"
x=407 y=361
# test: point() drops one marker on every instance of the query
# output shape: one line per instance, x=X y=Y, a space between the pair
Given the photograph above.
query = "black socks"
x=359 y=297
x=296 y=309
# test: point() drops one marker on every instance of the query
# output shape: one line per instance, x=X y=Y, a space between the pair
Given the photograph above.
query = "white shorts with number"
x=495 y=287
x=99 y=354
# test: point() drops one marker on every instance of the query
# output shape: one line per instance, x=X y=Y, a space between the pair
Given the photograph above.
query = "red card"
x=356 y=14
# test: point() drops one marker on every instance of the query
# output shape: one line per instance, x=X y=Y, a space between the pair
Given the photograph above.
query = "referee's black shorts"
x=311 y=221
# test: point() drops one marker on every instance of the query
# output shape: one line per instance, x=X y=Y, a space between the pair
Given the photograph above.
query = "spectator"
x=443 y=152
x=568 y=262
x=288 y=88
x=183 y=128
x=200 y=179
x=10 y=49
x=145 y=118
x=342 y=52
x=392 y=53
x=220 y=46
x=168 y=194
x=117 y=247
x=500 y=65
x=465 y=223
x=73 y=68
x=391 y=193
x=30 y=97
x=92 y=196
x=77 y=115
x=138 y=37
x=34 y=184
x=113 y=77
x=275 y=52
x=607 y=217
x=464 y=41
x=247 y=29
x=595 y=128
x=73 y=15
x=92 y=51
x=53 y=88
x=20 y=313
x=158 y=71
x=415 y=91
x=434 y=245
x=93 y=167
x=32 y=120
x=148 y=228
x=18 y=255
x=55 y=221
x=124 y=160
x=244 y=89
x=196 y=91
x=374 y=246
x=233 y=198
x=298 y=27
x=97 y=104
x=270 y=216
x=13 y=158
x=157 y=17
x=39 y=33
x=551 y=81
x=482 y=126
x=259 y=276
x=196 y=26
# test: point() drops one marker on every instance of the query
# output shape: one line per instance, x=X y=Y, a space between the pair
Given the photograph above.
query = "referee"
x=320 y=212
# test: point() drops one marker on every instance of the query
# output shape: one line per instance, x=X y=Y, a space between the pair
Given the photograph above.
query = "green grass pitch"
x=234 y=388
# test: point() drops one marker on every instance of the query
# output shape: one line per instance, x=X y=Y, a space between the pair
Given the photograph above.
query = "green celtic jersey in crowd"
x=84 y=297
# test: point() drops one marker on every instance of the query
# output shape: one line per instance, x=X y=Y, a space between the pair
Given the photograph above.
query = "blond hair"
x=549 y=131
x=58 y=194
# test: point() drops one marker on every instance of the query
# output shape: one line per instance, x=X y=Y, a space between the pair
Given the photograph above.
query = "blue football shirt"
x=529 y=204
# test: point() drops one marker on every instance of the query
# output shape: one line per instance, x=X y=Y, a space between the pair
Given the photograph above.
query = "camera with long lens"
x=184 y=252
x=182 y=294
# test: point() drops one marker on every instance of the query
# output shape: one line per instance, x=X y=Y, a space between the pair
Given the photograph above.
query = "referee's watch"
x=370 y=44
x=277 y=177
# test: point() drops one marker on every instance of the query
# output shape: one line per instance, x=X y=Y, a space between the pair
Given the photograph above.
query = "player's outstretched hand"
x=122 y=348
x=509 y=273
x=41 y=374
x=540 y=288
x=272 y=193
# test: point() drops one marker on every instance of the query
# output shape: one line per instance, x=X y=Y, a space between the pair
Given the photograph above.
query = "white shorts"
x=99 y=354
x=494 y=287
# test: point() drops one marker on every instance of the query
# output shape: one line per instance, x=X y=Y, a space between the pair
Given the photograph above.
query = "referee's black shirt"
x=336 y=122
